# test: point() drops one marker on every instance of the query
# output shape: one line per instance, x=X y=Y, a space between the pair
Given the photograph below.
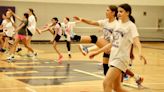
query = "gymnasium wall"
x=147 y=16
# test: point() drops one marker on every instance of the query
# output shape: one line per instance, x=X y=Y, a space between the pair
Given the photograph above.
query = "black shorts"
x=57 y=38
x=106 y=55
x=29 y=33
x=10 y=38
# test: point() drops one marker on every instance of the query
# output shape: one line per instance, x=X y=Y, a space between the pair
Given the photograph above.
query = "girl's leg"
x=60 y=55
x=117 y=83
x=25 y=42
x=55 y=47
x=5 y=45
x=111 y=76
x=68 y=43
x=85 y=39
x=105 y=63
x=12 y=50
x=1 y=40
x=138 y=79
x=29 y=38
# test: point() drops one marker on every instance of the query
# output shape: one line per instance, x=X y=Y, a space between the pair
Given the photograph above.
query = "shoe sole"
x=139 y=84
x=81 y=50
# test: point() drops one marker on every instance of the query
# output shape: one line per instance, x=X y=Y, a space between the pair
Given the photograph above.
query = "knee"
x=93 y=38
x=26 y=45
x=77 y=38
x=107 y=83
x=117 y=88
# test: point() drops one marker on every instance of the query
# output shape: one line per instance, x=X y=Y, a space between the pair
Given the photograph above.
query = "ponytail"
x=32 y=11
x=132 y=18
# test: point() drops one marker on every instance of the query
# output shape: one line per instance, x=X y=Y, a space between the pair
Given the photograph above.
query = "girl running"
x=8 y=29
x=56 y=30
x=68 y=32
x=21 y=36
x=31 y=29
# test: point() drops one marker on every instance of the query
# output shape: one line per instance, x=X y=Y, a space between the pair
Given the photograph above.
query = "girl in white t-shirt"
x=1 y=31
x=56 y=30
x=124 y=35
x=68 y=32
x=107 y=26
x=31 y=29
x=8 y=30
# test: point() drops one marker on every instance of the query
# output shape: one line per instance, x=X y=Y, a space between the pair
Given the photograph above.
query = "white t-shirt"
x=68 y=28
x=4 y=22
x=122 y=41
x=57 y=26
x=32 y=24
x=8 y=28
x=107 y=28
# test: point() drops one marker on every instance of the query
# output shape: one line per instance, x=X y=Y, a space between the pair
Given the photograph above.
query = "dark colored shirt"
x=22 y=31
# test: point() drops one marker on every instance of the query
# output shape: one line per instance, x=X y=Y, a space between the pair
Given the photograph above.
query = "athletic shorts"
x=106 y=55
x=21 y=37
x=29 y=33
x=57 y=38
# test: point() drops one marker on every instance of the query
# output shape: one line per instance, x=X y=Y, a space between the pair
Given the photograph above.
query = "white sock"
x=94 y=47
x=136 y=77
x=69 y=52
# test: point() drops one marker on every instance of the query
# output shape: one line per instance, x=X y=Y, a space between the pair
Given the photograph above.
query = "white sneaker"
x=139 y=80
x=31 y=55
x=10 y=58
x=84 y=50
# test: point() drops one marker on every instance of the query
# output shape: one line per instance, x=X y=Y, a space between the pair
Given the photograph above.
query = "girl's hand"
x=143 y=58
x=93 y=54
x=77 y=18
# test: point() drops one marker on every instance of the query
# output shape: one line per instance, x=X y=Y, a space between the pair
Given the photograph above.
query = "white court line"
x=84 y=72
x=30 y=89
x=17 y=88
x=102 y=77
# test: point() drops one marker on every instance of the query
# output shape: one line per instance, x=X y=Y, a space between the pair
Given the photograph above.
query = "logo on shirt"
x=117 y=37
x=107 y=33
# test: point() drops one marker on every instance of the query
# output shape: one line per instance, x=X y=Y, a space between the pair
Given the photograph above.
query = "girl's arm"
x=87 y=21
x=137 y=43
x=106 y=48
x=19 y=18
x=19 y=27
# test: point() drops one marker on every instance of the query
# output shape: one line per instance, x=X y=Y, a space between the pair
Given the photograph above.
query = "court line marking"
x=30 y=89
x=102 y=77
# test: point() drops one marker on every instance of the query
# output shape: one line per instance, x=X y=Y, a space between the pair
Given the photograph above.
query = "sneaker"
x=35 y=54
x=139 y=80
x=83 y=50
x=69 y=55
x=18 y=50
x=126 y=78
x=10 y=58
x=32 y=55
x=60 y=59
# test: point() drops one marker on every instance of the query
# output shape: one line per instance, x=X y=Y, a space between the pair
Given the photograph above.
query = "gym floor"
x=78 y=74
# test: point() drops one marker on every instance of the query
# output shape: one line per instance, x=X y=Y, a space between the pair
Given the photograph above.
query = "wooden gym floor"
x=78 y=74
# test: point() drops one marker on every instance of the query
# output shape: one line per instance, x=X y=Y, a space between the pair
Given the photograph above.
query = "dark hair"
x=67 y=19
x=32 y=11
x=113 y=8
x=56 y=19
x=128 y=8
x=26 y=15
